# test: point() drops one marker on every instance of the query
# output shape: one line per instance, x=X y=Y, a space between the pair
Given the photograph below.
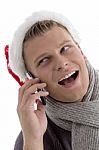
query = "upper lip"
x=67 y=75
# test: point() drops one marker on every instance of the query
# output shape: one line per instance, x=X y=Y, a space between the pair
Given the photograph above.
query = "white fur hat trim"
x=16 y=61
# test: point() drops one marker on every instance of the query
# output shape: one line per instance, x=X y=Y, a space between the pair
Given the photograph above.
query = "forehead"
x=48 y=41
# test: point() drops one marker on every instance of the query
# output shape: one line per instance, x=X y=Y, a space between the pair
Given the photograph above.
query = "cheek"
x=78 y=56
x=44 y=74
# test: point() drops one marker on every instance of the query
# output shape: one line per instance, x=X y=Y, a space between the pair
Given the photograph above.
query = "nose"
x=62 y=64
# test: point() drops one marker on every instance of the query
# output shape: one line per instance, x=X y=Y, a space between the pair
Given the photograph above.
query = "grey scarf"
x=81 y=118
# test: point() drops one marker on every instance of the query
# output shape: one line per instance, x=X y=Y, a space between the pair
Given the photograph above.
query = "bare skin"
x=56 y=55
x=33 y=122
x=61 y=55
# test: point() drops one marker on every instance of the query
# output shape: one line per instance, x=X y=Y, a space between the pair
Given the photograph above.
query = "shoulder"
x=19 y=142
x=97 y=71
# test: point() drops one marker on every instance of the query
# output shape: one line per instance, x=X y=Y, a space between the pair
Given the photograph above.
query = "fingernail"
x=45 y=84
x=36 y=78
x=47 y=92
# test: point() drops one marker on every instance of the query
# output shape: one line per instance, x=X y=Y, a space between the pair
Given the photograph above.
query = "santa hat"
x=16 y=62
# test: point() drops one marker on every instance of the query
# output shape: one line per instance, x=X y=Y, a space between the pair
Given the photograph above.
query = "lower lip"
x=72 y=84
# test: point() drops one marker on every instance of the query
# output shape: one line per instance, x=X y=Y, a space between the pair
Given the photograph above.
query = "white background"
x=85 y=17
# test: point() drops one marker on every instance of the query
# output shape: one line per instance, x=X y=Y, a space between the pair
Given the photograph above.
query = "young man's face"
x=57 y=60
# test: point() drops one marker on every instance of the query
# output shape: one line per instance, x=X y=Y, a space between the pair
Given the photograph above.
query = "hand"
x=33 y=122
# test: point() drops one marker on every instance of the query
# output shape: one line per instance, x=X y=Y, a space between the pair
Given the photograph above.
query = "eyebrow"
x=64 y=42
x=44 y=54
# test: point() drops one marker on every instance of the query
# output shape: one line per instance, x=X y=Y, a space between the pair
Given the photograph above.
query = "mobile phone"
x=30 y=76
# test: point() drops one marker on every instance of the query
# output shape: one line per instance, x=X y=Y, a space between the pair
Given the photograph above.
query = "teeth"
x=67 y=76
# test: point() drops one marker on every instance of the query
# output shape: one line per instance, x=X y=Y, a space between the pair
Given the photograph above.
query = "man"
x=46 y=47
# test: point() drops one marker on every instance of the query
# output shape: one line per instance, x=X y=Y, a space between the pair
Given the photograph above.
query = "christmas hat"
x=15 y=60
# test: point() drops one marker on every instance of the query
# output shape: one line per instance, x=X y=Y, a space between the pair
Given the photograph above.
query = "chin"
x=71 y=100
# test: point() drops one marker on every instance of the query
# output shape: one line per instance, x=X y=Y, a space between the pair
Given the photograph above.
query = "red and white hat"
x=16 y=62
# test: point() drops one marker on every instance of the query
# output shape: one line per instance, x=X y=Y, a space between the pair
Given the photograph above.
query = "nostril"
x=64 y=67
x=58 y=69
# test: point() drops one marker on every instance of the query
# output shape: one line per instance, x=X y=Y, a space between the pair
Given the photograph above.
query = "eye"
x=43 y=61
x=65 y=48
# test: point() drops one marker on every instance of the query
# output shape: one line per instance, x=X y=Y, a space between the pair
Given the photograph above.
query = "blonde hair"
x=40 y=27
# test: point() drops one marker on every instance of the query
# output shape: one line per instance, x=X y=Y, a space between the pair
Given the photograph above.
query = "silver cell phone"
x=30 y=76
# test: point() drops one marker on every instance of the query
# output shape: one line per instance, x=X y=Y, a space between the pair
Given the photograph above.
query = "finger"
x=29 y=82
x=33 y=96
x=26 y=85
x=31 y=101
x=24 y=107
x=34 y=88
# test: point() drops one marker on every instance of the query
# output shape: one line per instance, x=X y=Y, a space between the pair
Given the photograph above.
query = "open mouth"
x=69 y=79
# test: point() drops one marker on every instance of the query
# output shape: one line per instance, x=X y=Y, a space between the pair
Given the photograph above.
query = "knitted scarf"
x=81 y=118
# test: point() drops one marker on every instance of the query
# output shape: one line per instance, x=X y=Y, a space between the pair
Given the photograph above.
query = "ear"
x=81 y=51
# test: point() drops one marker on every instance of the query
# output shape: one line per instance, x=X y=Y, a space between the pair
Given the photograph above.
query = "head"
x=51 y=54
